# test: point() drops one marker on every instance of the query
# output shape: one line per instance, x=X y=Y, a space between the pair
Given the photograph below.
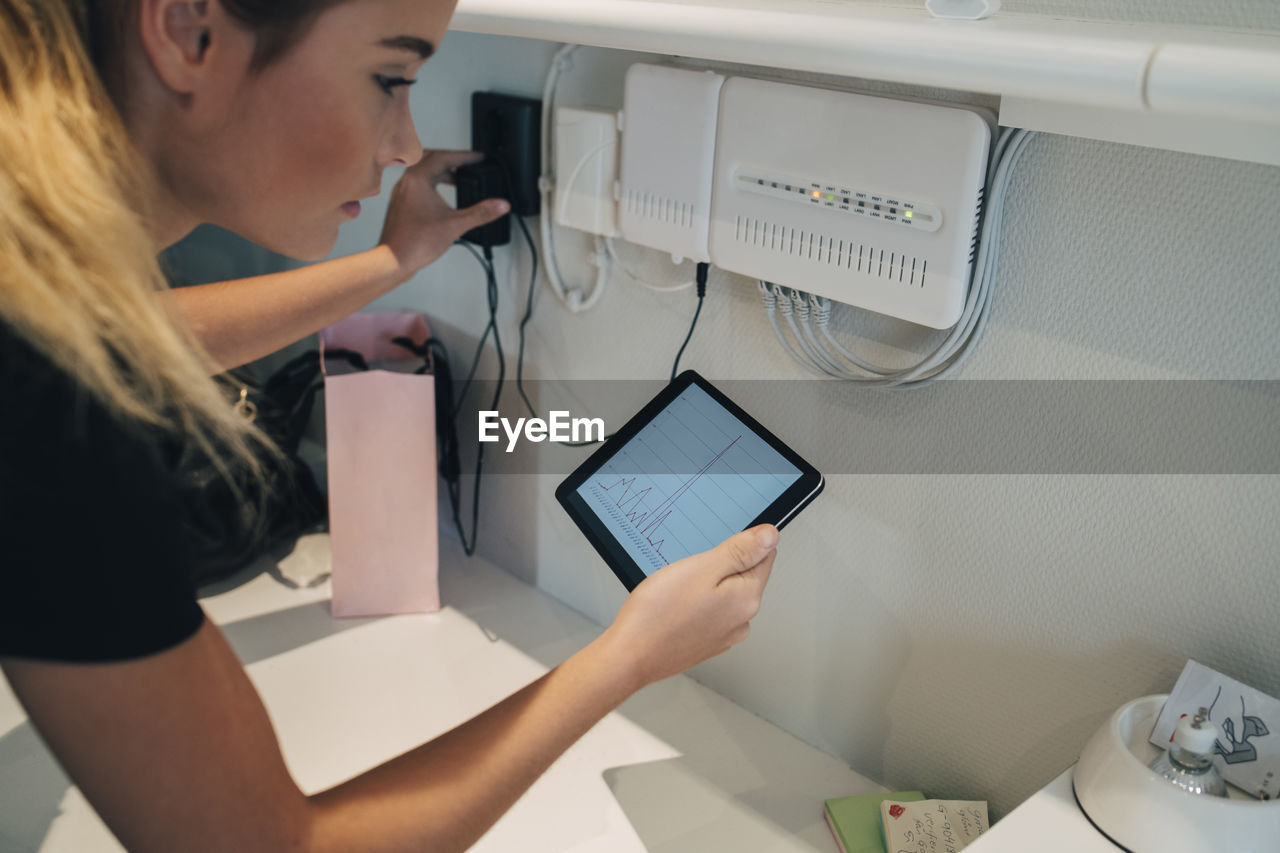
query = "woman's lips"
x=352 y=209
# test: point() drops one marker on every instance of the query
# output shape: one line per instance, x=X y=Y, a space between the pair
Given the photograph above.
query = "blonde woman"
x=123 y=124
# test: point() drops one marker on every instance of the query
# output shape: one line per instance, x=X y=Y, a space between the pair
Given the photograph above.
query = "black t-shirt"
x=93 y=563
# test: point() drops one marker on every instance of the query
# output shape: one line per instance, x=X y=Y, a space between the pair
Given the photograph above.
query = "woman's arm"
x=242 y=320
x=176 y=751
x=239 y=321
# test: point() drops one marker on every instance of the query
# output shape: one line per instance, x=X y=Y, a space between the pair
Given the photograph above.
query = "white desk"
x=1051 y=817
x=677 y=768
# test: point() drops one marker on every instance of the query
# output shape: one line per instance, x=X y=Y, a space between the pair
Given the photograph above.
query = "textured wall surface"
x=963 y=633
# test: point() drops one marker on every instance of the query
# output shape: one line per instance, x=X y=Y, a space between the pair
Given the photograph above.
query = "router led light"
x=852 y=201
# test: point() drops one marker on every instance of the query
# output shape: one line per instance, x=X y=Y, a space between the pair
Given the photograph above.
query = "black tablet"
x=686 y=473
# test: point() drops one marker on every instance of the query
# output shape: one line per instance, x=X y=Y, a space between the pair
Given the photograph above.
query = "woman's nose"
x=401 y=147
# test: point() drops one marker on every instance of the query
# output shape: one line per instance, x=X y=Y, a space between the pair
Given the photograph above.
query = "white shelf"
x=1170 y=73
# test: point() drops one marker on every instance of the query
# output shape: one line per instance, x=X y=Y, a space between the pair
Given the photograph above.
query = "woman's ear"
x=182 y=39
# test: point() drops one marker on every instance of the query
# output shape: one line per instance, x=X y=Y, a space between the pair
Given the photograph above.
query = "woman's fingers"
x=760 y=572
x=697 y=607
x=440 y=165
x=482 y=213
x=420 y=225
x=744 y=551
x=476 y=215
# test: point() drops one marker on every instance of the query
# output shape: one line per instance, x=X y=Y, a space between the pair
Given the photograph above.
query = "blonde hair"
x=79 y=279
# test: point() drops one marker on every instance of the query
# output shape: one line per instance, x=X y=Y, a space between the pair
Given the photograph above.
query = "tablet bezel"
x=784 y=508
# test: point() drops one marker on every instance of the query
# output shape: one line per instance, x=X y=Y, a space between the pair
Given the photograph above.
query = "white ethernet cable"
x=824 y=354
x=618 y=262
x=806 y=307
x=573 y=299
x=788 y=302
x=798 y=318
x=821 y=311
x=774 y=298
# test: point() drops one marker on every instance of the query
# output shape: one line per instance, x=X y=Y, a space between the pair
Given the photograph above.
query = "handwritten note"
x=932 y=826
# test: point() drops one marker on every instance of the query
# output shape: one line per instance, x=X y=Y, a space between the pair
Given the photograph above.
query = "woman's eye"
x=389 y=84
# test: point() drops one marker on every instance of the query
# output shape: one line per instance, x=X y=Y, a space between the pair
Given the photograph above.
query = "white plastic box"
x=868 y=201
x=586 y=169
x=668 y=146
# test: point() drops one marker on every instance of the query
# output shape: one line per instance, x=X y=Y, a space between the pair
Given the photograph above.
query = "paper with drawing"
x=1248 y=721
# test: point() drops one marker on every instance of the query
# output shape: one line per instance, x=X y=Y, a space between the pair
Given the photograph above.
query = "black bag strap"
x=435 y=360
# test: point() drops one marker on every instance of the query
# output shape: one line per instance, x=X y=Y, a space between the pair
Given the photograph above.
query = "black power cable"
x=528 y=314
x=454 y=484
x=701 y=281
x=702 y=292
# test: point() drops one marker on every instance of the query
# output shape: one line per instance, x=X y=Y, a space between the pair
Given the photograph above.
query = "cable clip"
x=767 y=297
x=821 y=307
x=785 y=305
x=801 y=304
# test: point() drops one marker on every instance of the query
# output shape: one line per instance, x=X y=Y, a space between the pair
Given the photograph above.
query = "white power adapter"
x=586 y=167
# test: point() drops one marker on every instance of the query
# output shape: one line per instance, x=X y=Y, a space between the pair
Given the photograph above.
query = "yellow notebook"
x=855 y=821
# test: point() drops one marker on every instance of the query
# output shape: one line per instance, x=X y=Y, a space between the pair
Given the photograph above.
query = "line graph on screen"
x=648 y=521
x=692 y=477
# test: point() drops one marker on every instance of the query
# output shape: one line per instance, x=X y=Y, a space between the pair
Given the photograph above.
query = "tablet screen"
x=691 y=477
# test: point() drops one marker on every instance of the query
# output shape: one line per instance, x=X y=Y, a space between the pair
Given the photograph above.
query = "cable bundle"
x=571 y=298
x=809 y=316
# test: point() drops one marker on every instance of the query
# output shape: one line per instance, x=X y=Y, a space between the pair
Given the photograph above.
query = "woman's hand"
x=695 y=608
x=421 y=225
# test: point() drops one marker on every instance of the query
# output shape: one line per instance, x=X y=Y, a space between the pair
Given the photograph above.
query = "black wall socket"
x=475 y=183
x=508 y=129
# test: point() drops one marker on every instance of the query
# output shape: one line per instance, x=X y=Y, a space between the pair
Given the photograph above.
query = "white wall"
x=962 y=634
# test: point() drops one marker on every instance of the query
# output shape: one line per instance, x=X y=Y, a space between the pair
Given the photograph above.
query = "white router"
x=668 y=145
x=868 y=201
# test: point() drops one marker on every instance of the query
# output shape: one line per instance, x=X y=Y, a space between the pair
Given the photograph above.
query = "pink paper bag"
x=381 y=436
